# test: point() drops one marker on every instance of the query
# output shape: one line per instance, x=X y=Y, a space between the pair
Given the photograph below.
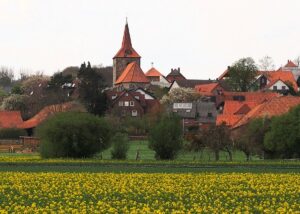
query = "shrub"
x=120 y=147
x=73 y=134
x=11 y=133
x=165 y=137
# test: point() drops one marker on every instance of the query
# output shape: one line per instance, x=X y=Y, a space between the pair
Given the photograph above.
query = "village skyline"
x=200 y=37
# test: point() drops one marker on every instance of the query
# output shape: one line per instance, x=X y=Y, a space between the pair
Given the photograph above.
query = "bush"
x=120 y=147
x=12 y=133
x=165 y=137
x=73 y=134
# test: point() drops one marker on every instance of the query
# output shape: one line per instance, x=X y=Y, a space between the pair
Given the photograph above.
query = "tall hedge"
x=73 y=134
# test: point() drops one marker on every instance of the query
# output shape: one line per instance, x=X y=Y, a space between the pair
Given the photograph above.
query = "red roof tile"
x=273 y=107
x=206 y=89
x=132 y=74
x=224 y=74
x=290 y=64
x=153 y=73
x=126 y=49
x=10 y=119
x=229 y=120
x=235 y=107
x=47 y=112
x=257 y=97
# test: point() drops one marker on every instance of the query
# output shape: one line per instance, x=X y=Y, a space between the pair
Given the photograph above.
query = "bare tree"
x=6 y=76
x=266 y=63
x=297 y=61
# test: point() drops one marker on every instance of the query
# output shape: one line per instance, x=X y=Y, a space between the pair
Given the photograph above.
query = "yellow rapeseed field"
x=149 y=193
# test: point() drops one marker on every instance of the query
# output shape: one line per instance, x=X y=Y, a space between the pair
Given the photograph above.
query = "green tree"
x=15 y=102
x=165 y=137
x=217 y=138
x=91 y=90
x=73 y=134
x=120 y=146
x=283 y=139
x=241 y=74
x=252 y=139
x=58 y=79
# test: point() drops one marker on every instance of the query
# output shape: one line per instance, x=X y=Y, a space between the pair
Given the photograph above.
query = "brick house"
x=131 y=103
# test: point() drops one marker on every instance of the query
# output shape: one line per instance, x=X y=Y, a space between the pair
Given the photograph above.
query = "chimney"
x=179 y=69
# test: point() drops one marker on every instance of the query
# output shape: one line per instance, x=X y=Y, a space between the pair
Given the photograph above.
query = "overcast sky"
x=202 y=37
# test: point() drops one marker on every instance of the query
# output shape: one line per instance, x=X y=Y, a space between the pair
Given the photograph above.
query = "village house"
x=234 y=105
x=195 y=114
x=281 y=80
x=131 y=103
x=156 y=78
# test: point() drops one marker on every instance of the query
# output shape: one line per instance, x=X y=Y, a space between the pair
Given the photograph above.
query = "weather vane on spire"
x=126 y=20
x=152 y=63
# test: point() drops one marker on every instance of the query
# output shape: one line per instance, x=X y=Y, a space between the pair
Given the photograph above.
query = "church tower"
x=125 y=55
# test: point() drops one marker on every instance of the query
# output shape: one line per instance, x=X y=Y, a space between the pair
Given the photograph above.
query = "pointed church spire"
x=126 y=43
x=126 y=49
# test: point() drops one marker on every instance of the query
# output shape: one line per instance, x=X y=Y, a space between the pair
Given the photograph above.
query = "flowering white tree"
x=180 y=95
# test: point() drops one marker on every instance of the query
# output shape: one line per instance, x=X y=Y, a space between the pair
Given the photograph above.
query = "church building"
x=127 y=73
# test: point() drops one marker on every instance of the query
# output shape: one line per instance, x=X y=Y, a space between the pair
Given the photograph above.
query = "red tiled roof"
x=229 y=120
x=223 y=74
x=10 y=119
x=257 y=97
x=45 y=113
x=238 y=107
x=153 y=73
x=273 y=107
x=290 y=64
x=126 y=49
x=206 y=88
x=132 y=74
x=284 y=76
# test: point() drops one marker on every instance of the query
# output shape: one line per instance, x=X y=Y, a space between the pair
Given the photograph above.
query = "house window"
x=134 y=113
x=120 y=103
x=209 y=114
x=126 y=103
x=283 y=87
x=274 y=87
x=131 y=103
x=188 y=110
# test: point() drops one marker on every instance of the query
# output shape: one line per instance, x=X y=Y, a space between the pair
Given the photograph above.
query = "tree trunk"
x=230 y=155
x=247 y=156
x=217 y=155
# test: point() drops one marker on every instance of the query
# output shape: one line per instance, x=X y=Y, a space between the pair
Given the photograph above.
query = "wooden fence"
x=23 y=144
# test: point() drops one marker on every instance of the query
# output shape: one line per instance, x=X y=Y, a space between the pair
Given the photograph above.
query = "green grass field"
x=147 y=154
x=186 y=162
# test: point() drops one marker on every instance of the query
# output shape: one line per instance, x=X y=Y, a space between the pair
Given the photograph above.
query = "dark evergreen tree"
x=91 y=89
